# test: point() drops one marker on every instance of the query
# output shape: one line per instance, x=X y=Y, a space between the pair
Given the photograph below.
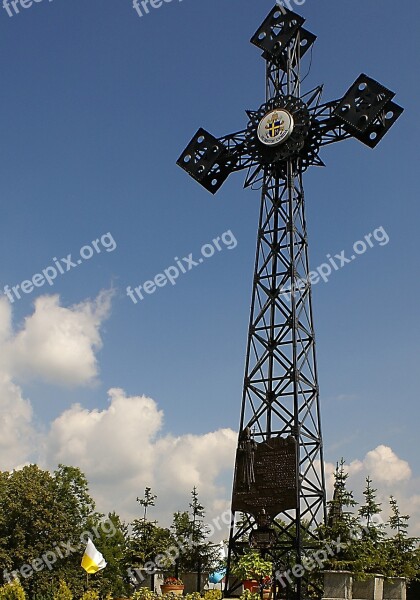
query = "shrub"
x=12 y=591
x=63 y=592
x=213 y=595
x=193 y=596
x=91 y=595
x=144 y=593
x=252 y=566
x=247 y=595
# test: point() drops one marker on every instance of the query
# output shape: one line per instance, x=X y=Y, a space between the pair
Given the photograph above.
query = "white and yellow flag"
x=92 y=560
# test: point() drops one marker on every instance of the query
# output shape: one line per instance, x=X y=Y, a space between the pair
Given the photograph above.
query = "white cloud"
x=122 y=449
x=391 y=475
x=385 y=466
x=114 y=442
x=55 y=344
x=17 y=435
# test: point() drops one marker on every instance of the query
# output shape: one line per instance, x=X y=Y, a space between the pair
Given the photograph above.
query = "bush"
x=91 y=595
x=144 y=593
x=63 y=592
x=252 y=566
x=213 y=595
x=247 y=595
x=12 y=591
x=193 y=596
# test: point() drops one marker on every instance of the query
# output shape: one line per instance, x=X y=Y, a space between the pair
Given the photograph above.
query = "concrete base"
x=370 y=589
x=395 y=589
x=145 y=580
x=191 y=581
x=338 y=585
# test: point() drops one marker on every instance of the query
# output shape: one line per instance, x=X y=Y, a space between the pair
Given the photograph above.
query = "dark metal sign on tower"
x=279 y=481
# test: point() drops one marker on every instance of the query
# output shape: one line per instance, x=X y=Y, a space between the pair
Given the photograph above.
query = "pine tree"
x=340 y=519
x=191 y=535
x=197 y=511
x=370 y=549
x=403 y=558
x=148 y=539
x=147 y=500
x=373 y=528
x=341 y=523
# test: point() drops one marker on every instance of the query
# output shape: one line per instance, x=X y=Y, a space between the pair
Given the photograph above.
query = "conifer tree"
x=403 y=557
x=370 y=549
x=342 y=526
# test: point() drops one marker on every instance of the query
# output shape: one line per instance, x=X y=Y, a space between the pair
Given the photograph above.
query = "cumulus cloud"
x=55 y=344
x=17 y=435
x=114 y=442
x=391 y=475
x=122 y=449
x=386 y=467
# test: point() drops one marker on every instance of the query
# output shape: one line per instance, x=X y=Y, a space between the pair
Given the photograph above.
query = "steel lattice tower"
x=279 y=484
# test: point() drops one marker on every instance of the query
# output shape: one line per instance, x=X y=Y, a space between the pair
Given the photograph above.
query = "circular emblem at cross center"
x=275 y=127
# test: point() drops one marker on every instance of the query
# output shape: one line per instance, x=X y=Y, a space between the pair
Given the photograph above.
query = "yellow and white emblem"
x=275 y=127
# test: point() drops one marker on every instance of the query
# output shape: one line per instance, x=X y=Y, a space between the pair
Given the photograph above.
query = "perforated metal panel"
x=380 y=127
x=362 y=104
x=277 y=31
x=207 y=160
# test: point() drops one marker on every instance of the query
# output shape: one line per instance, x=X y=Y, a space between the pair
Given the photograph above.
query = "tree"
x=41 y=512
x=372 y=528
x=191 y=535
x=148 y=539
x=402 y=553
x=43 y=518
x=341 y=522
x=113 y=580
x=147 y=500
x=370 y=551
x=63 y=592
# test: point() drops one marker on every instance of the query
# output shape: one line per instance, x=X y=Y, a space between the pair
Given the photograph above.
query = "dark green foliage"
x=402 y=552
x=190 y=534
x=148 y=539
x=147 y=500
x=46 y=518
x=341 y=524
x=112 y=579
x=368 y=549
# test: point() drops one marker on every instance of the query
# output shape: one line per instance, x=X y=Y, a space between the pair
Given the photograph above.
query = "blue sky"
x=96 y=106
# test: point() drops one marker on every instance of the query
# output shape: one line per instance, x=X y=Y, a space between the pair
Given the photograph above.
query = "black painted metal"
x=280 y=392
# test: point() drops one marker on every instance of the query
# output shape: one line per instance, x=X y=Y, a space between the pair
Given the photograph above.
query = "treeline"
x=46 y=519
